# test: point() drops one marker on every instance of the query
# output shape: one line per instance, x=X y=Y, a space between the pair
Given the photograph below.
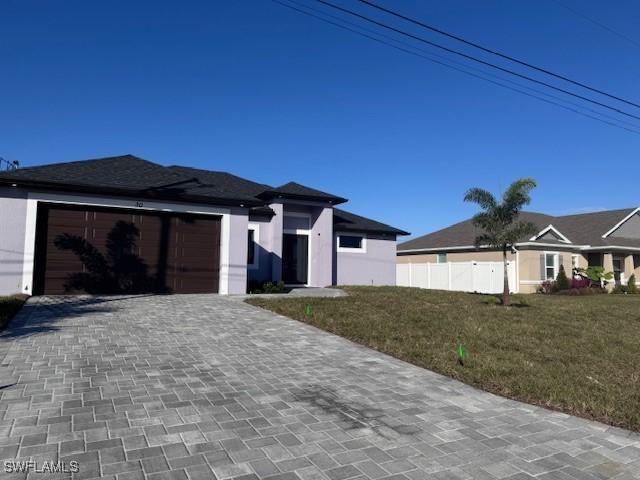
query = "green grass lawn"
x=580 y=355
x=9 y=306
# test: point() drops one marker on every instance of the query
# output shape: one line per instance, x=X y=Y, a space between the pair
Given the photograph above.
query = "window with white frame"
x=252 y=246
x=551 y=266
x=352 y=243
x=442 y=258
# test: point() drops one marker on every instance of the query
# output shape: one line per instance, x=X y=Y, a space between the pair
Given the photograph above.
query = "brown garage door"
x=99 y=250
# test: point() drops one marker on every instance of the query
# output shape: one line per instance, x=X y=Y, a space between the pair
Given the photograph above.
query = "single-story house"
x=124 y=224
x=610 y=239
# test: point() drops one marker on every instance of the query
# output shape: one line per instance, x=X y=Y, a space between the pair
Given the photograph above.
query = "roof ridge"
x=219 y=172
x=596 y=212
x=70 y=162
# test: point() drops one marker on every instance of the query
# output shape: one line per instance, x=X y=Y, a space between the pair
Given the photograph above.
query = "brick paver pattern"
x=205 y=387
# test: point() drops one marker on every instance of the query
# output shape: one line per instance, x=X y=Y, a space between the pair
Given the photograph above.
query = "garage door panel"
x=168 y=253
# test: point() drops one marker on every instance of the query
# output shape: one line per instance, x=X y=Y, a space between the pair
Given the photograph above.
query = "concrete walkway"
x=197 y=386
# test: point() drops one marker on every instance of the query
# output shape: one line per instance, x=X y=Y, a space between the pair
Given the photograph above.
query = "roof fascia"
x=473 y=247
x=550 y=228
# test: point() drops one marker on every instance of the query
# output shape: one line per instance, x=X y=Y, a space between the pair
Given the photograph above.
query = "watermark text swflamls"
x=28 y=466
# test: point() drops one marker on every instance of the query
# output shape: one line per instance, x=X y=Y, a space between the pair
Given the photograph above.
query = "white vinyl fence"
x=480 y=277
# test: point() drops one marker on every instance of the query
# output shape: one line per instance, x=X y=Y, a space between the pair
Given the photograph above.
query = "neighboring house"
x=610 y=239
x=127 y=224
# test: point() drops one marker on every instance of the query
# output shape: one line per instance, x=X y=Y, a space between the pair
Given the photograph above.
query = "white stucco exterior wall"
x=237 y=273
x=376 y=266
x=321 y=247
x=13 y=215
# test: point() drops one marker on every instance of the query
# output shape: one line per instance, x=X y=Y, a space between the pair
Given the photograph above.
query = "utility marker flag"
x=461 y=354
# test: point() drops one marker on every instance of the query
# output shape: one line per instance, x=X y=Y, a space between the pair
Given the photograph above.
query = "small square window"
x=442 y=258
x=350 y=241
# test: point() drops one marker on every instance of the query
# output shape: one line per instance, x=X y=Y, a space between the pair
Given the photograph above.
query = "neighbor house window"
x=550 y=266
x=442 y=258
x=252 y=246
x=352 y=243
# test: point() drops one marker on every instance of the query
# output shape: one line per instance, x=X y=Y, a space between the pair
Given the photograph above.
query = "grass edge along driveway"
x=579 y=355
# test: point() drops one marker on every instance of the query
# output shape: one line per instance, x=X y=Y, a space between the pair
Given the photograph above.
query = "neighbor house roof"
x=134 y=176
x=583 y=230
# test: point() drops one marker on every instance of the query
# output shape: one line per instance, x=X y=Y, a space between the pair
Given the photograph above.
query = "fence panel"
x=462 y=275
x=402 y=274
x=481 y=277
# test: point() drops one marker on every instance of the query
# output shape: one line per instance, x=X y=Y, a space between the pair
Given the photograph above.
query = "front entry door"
x=295 y=259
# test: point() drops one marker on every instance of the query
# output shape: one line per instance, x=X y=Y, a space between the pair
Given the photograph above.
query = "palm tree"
x=499 y=222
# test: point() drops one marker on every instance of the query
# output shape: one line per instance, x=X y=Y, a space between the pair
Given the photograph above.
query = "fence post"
x=410 y=274
x=449 y=270
x=429 y=275
x=473 y=276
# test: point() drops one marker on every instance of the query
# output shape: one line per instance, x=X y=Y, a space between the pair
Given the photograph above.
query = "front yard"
x=580 y=355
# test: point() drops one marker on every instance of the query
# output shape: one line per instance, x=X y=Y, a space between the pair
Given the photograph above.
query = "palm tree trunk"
x=506 y=299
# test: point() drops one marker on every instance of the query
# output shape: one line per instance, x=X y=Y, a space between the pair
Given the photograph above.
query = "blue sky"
x=261 y=91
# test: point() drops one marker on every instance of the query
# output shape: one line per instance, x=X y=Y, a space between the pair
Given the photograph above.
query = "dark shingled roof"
x=221 y=183
x=295 y=190
x=134 y=176
x=125 y=171
x=580 y=229
x=347 y=221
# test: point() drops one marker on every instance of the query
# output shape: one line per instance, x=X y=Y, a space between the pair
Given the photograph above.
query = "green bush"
x=620 y=289
x=631 y=284
x=562 y=282
x=9 y=306
x=270 y=287
x=255 y=286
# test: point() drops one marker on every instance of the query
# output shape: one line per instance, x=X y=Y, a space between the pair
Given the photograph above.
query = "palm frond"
x=484 y=239
x=517 y=195
x=482 y=197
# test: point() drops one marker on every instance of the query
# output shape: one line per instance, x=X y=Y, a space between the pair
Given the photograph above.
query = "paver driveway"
x=195 y=386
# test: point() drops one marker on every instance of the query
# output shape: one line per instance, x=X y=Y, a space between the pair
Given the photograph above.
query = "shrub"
x=631 y=284
x=9 y=306
x=620 y=289
x=547 y=287
x=270 y=287
x=583 y=291
x=596 y=274
x=255 y=286
x=562 y=282
x=578 y=283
